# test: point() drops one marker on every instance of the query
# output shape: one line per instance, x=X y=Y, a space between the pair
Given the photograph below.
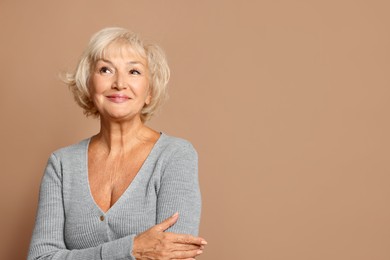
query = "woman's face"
x=119 y=83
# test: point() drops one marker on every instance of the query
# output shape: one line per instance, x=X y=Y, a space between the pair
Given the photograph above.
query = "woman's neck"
x=117 y=137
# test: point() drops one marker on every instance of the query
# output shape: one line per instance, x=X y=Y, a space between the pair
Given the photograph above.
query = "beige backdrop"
x=287 y=103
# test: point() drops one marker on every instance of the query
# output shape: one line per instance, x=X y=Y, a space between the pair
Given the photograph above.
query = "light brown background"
x=287 y=103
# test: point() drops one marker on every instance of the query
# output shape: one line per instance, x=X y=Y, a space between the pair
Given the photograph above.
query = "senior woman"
x=129 y=192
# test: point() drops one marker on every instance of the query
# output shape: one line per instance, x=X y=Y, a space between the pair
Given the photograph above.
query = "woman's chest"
x=110 y=174
x=108 y=182
x=86 y=224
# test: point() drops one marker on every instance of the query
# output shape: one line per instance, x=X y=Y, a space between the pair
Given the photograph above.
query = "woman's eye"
x=135 y=72
x=104 y=70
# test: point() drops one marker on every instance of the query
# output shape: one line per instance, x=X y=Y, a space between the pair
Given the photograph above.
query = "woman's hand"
x=155 y=244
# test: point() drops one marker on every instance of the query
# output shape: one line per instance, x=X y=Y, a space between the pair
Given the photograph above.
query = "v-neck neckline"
x=132 y=184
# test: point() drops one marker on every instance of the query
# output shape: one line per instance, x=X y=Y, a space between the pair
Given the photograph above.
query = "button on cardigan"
x=70 y=225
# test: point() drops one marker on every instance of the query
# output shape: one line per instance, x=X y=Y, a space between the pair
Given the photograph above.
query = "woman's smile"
x=118 y=98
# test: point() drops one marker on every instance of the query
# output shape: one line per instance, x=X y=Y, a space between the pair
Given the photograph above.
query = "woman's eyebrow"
x=104 y=60
x=135 y=62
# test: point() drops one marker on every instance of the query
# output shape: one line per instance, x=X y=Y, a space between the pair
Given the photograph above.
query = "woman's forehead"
x=121 y=49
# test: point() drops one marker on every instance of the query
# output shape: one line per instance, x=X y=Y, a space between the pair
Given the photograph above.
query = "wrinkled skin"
x=155 y=244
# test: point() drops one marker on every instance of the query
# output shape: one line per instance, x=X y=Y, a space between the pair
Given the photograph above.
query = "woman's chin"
x=120 y=117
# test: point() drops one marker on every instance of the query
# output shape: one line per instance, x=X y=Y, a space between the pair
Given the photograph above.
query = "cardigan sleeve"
x=48 y=236
x=179 y=190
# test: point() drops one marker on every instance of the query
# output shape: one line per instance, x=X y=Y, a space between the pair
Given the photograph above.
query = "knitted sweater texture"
x=70 y=225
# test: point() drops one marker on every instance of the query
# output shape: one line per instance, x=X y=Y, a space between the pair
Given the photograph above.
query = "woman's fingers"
x=186 y=247
x=169 y=222
x=185 y=254
x=154 y=243
x=184 y=259
x=185 y=239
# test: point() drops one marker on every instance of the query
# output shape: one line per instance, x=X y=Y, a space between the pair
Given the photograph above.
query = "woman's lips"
x=118 y=98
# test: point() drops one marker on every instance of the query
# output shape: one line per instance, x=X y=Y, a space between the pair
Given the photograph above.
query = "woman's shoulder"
x=173 y=145
x=174 y=142
x=73 y=150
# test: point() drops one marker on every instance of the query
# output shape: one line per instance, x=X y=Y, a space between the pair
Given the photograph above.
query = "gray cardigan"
x=70 y=225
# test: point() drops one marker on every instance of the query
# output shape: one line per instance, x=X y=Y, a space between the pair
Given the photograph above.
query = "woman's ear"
x=148 y=100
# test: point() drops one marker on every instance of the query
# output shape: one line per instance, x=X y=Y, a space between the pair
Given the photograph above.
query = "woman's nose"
x=119 y=82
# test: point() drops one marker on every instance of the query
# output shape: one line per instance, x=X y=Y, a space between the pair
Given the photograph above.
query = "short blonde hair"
x=159 y=72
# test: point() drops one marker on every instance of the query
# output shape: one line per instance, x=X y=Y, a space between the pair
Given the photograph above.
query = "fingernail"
x=199 y=252
x=204 y=242
x=174 y=215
